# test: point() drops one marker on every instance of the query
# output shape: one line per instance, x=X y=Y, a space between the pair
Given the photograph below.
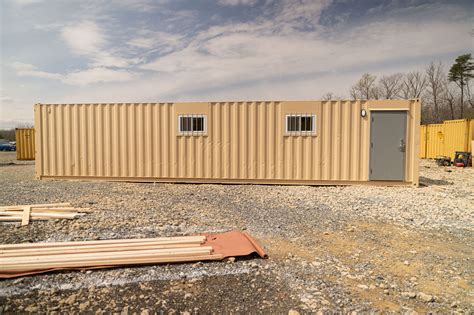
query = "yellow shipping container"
x=435 y=140
x=446 y=138
x=456 y=136
x=25 y=143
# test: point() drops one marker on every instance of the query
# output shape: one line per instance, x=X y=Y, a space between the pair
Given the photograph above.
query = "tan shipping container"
x=25 y=143
x=268 y=142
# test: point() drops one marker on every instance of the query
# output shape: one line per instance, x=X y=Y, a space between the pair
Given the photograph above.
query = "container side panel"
x=243 y=141
x=25 y=143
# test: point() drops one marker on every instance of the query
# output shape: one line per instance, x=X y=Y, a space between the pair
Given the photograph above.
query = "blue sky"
x=183 y=50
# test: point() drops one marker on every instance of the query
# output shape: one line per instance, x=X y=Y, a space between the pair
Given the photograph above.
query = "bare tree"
x=413 y=85
x=451 y=96
x=390 y=85
x=469 y=94
x=331 y=96
x=436 y=85
x=364 y=88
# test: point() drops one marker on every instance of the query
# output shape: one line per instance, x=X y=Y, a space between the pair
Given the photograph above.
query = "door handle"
x=402 y=146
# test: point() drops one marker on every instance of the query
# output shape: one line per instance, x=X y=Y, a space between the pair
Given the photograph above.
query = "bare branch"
x=390 y=85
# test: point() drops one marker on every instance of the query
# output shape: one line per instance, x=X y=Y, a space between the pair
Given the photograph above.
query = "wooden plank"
x=10 y=219
x=203 y=250
x=69 y=209
x=64 y=204
x=90 y=249
x=109 y=262
x=11 y=214
x=56 y=215
x=25 y=218
x=164 y=240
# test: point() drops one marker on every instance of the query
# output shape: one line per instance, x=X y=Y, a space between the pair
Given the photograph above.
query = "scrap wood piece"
x=25 y=218
x=64 y=204
x=162 y=240
x=26 y=213
x=92 y=249
x=215 y=246
x=7 y=262
x=18 y=271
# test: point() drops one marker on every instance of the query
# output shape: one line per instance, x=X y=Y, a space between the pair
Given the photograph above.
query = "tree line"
x=444 y=95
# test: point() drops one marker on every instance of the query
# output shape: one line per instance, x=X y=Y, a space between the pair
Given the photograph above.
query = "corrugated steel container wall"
x=25 y=143
x=245 y=142
x=435 y=139
x=446 y=138
x=456 y=136
x=423 y=141
x=471 y=137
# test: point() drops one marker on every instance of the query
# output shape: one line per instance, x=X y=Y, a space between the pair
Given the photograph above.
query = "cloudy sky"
x=178 y=50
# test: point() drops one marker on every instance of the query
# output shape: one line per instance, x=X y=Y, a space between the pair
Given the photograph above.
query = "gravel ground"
x=357 y=248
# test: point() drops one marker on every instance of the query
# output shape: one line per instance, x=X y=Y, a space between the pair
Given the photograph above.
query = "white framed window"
x=300 y=124
x=192 y=124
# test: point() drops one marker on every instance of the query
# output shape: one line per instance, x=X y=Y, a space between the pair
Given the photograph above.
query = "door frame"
x=369 y=116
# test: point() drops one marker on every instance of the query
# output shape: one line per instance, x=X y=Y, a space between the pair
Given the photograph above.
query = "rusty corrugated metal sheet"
x=245 y=142
x=25 y=143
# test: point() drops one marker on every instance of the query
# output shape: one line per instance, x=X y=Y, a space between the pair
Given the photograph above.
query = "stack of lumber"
x=36 y=257
x=50 y=211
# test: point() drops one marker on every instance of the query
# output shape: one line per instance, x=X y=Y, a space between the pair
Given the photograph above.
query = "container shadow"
x=425 y=181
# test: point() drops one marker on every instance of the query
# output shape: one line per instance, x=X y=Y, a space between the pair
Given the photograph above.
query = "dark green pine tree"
x=460 y=73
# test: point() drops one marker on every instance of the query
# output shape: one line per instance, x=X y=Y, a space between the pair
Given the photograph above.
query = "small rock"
x=362 y=286
x=293 y=312
x=31 y=308
x=84 y=306
x=410 y=295
x=406 y=263
x=425 y=297
x=231 y=260
x=71 y=299
x=145 y=312
x=455 y=304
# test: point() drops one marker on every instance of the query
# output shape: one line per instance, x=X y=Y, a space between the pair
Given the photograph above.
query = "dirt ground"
x=331 y=249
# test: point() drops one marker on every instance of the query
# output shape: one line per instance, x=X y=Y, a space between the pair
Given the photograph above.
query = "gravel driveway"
x=356 y=248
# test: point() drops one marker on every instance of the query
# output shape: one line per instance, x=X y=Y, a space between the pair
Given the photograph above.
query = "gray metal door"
x=387 y=145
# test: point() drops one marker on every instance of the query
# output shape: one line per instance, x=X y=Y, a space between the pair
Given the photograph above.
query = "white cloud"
x=96 y=75
x=48 y=26
x=83 y=38
x=84 y=77
x=6 y=99
x=24 y=2
x=28 y=70
x=88 y=39
x=237 y=2
x=161 y=40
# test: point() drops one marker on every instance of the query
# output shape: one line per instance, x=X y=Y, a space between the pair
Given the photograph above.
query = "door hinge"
x=372 y=145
